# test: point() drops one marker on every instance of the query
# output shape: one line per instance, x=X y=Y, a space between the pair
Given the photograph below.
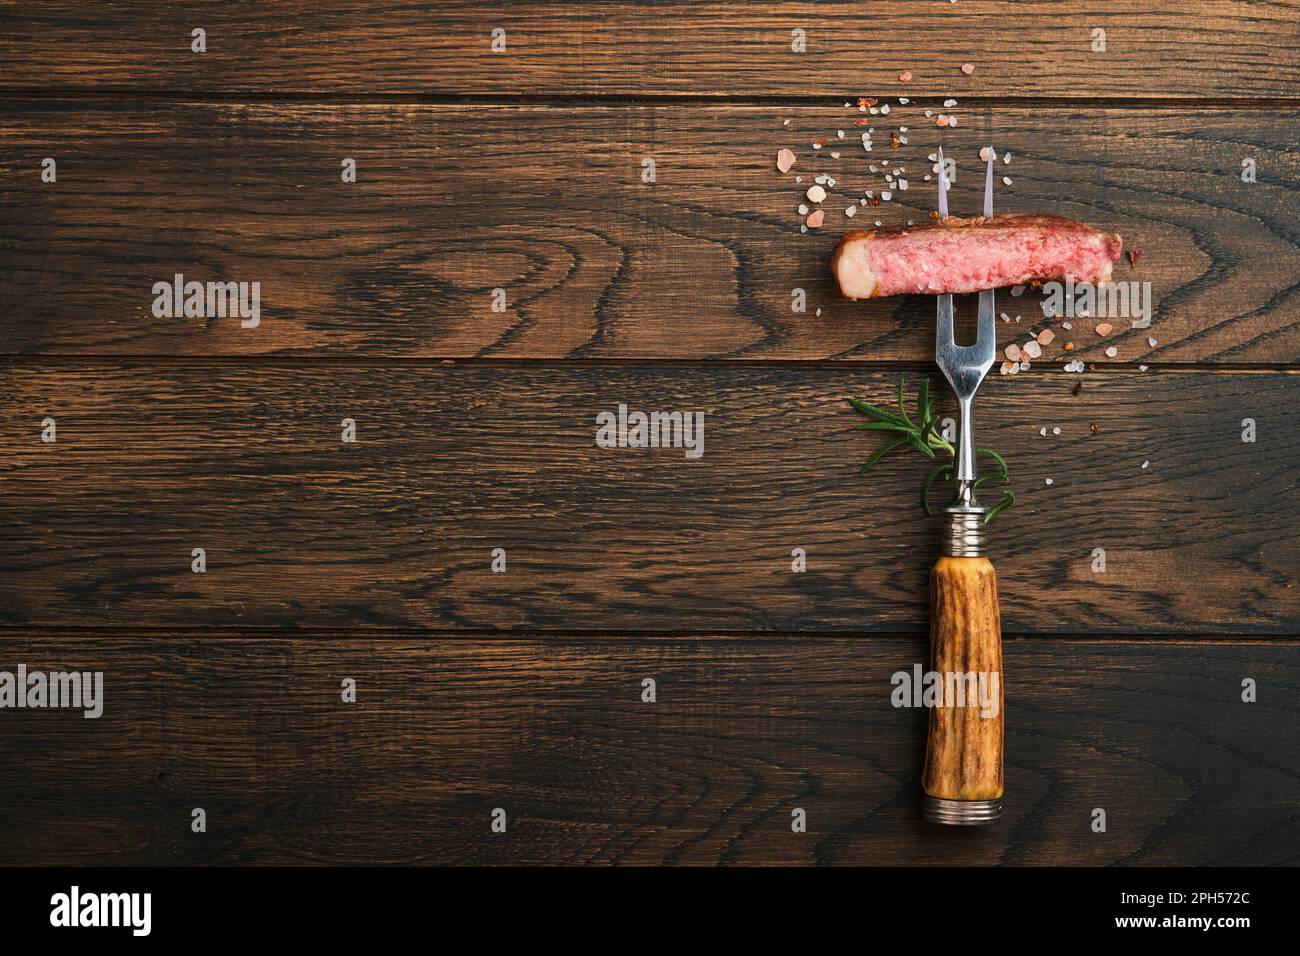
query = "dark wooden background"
x=521 y=170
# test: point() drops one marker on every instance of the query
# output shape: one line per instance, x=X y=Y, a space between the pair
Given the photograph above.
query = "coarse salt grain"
x=1046 y=336
x=949 y=103
x=1006 y=180
x=816 y=193
x=1012 y=352
x=803 y=209
x=968 y=68
x=1145 y=464
x=1104 y=329
x=1151 y=342
x=985 y=153
x=1112 y=352
x=851 y=211
x=815 y=218
x=1047 y=481
x=905 y=76
x=1032 y=349
x=1056 y=431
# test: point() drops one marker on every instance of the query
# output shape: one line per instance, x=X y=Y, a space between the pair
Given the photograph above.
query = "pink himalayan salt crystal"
x=815 y=218
x=784 y=160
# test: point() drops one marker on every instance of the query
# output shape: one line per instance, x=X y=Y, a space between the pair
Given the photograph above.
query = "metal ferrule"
x=963 y=533
x=969 y=813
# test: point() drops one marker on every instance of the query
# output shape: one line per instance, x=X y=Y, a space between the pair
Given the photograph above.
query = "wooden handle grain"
x=963 y=753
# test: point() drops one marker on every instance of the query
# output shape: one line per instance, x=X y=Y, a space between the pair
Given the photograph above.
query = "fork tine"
x=943 y=187
x=943 y=334
x=986 y=344
x=988 y=188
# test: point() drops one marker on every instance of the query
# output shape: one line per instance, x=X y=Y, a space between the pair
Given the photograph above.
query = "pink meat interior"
x=934 y=260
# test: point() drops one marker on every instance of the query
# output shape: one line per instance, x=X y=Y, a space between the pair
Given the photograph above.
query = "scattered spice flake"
x=1069 y=346
x=1104 y=329
x=1078 y=388
x=934 y=214
x=861 y=121
x=785 y=160
x=815 y=218
x=1092 y=426
x=1133 y=256
x=1046 y=337
x=905 y=76
x=968 y=68
x=866 y=102
x=941 y=120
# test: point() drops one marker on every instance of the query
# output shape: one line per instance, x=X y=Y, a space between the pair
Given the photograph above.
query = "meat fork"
x=964 y=746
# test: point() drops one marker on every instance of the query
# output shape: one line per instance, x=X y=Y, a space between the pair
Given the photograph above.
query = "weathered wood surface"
x=549 y=205
x=1185 y=49
x=451 y=461
x=555 y=733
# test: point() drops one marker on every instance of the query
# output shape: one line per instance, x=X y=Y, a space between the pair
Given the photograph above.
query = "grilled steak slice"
x=966 y=255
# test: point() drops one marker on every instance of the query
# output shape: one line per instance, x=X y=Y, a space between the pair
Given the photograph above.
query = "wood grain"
x=548 y=204
x=1185 y=49
x=555 y=733
x=397 y=529
x=964 y=745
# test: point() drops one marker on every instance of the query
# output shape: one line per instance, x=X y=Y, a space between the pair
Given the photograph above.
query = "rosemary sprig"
x=923 y=436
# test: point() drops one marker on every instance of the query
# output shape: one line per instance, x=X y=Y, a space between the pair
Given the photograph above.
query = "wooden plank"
x=555 y=733
x=549 y=205
x=1187 y=48
x=397 y=529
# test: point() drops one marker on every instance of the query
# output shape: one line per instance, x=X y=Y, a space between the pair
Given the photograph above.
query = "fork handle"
x=963 y=753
